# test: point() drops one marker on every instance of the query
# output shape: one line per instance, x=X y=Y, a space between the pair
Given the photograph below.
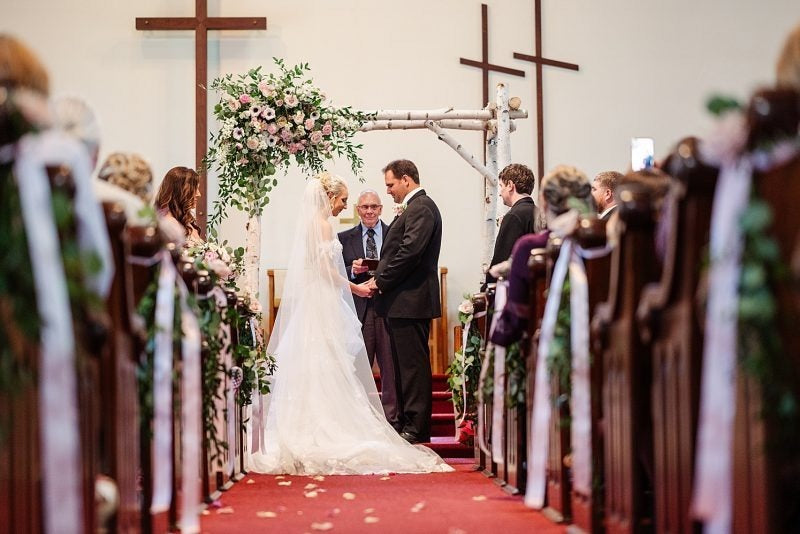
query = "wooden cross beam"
x=201 y=23
x=484 y=64
x=539 y=61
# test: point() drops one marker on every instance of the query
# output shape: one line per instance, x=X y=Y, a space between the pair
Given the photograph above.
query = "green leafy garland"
x=466 y=363
x=559 y=359
x=760 y=349
x=515 y=376
x=251 y=356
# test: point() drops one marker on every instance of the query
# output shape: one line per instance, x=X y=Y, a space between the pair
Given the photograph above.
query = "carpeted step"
x=448 y=447
x=442 y=402
x=443 y=424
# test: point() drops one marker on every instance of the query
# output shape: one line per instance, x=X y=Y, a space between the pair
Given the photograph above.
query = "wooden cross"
x=484 y=64
x=351 y=220
x=539 y=61
x=201 y=23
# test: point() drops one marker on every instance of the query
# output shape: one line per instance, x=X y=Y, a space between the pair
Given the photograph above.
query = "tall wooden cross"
x=540 y=61
x=201 y=23
x=484 y=64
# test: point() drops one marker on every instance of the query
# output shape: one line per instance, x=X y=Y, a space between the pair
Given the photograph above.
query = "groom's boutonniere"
x=399 y=209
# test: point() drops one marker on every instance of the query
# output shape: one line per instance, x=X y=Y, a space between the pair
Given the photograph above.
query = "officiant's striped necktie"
x=372 y=249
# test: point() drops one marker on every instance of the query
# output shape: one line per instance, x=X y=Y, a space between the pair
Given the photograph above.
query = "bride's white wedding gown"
x=324 y=415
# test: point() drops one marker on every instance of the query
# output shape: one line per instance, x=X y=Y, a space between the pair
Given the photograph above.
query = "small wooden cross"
x=484 y=64
x=539 y=61
x=201 y=23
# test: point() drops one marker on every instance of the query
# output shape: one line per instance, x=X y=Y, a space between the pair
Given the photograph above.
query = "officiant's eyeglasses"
x=370 y=206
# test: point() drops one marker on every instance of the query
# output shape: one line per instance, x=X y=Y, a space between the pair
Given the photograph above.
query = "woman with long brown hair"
x=177 y=199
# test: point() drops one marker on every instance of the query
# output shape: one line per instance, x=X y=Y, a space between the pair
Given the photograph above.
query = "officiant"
x=360 y=243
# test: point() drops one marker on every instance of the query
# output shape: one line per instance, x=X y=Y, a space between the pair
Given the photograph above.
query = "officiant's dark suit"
x=519 y=221
x=408 y=283
x=355 y=246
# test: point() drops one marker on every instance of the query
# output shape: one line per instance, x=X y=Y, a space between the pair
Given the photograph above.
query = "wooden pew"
x=144 y=242
x=626 y=366
x=480 y=304
x=766 y=458
x=669 y=320
x=587 y=508
x=119 y=406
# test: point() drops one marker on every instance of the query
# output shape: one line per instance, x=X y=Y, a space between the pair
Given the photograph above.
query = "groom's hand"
x=359 y=267
x=373 y=287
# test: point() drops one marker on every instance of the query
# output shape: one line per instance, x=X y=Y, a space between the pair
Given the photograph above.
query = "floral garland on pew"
x=24 y=112
x=268 y=120
x=760 y=352
x=463 y=374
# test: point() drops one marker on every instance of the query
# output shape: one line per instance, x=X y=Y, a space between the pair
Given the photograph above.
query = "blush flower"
x=252 y=143
x=327 y=128
x=309 y=124
x=316 y=137
x=291 y=101
x=268 y=113
x=272 y=128
x=244 y=98
x=238 y=133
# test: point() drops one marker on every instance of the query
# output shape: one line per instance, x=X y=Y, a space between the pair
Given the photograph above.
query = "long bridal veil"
x=324 y=414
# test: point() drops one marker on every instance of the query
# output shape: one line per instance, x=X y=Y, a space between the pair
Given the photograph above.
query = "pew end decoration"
x=463 y=374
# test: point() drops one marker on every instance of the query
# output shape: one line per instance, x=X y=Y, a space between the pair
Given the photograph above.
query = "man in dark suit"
x=364 y=241
x=604 y=187
x=516 y=185
x=407 y=286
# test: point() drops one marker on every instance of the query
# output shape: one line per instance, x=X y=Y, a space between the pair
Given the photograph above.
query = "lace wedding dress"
x=324 y=414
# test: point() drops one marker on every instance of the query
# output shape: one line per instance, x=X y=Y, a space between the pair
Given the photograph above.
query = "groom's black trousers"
x=412 y=363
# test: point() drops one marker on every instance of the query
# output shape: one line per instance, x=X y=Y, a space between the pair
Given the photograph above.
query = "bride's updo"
x=332 y=185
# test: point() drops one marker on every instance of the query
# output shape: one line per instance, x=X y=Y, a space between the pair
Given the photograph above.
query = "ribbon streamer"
x=712 y=500
x=162 y=386
x=59 y=424
x=191 y=418
x=540 y=416
x=499 y=390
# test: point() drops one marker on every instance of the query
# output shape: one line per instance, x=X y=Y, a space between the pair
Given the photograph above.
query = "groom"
x=407 y=286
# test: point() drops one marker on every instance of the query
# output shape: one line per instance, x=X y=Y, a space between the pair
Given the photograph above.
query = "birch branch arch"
x=497 y=120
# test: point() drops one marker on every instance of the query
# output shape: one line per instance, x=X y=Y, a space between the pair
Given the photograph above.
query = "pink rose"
x=252 y=143
x=309 y=124
x=316 y=137
x=292 y=149
x=272 y=128
x=286 y=135
x=244 y=98
x=327 y=129
x=291 y=101
x=209 y=256
x=279 y=102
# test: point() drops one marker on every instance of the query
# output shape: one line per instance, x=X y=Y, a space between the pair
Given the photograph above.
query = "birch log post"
x=252 y=253
x=490 y=204
x=503 y=139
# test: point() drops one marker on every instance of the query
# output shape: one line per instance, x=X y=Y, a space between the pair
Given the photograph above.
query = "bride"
x=324 y=414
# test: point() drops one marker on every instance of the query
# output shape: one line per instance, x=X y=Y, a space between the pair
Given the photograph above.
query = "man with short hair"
x=407 y=293
x=364 y=241
x=516 y=185
x=604 y=188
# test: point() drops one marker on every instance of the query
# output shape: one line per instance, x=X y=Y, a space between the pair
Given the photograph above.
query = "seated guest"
x=516 y=185
x=74 y=117
x=177 y=199
x=558 y=188
x=130 y=172
x=604 y=187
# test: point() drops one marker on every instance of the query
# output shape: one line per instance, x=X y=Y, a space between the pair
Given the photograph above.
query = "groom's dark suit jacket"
x=407 y=274
x=353 y=249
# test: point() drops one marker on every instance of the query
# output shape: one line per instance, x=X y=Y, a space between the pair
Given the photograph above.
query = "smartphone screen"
x=642 y=153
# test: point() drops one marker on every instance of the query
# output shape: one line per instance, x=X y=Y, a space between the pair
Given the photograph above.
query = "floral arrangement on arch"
x=268 y=120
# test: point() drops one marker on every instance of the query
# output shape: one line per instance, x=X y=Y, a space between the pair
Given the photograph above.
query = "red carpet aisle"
x=463 y=502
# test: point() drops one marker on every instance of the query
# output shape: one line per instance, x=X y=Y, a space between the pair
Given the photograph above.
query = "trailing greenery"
x=559 y=359
x=761 y=353
x=251 y=356
x=213 y=369
x=464 y=372
x=515 y=376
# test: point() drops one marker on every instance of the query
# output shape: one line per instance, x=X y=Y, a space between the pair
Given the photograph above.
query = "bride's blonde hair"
x=331 y=183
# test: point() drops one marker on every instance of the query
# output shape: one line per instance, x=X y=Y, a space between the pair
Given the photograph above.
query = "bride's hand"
x=361 y=290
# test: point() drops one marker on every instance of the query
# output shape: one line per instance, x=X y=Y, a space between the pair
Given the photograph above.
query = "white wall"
x=647 y=67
